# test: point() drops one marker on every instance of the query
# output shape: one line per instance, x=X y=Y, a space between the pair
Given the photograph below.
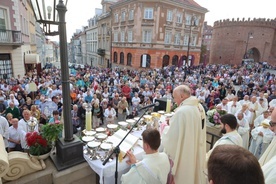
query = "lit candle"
x=88 y=119
x=168 y=106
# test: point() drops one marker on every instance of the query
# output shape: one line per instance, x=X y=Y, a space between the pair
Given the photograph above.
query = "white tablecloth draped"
x=107 y=172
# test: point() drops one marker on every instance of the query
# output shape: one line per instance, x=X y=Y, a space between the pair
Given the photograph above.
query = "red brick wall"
x=156 y=56
x=230 y=37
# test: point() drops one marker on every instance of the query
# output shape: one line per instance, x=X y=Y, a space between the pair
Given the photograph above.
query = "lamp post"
x=249 y=35
x=192 y=24
x=69 y=148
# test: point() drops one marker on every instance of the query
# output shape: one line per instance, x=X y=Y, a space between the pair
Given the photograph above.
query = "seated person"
x=155 y=166
x=230 y=164
x=55 y=118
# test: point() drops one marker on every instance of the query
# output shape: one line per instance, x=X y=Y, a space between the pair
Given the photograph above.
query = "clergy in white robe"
x=155 y=166
x=243 y=130
x=258 y=121
x=269 y=171
x=271 y=150
x=185 y=140
x=230 y=135
x=262 y=107
x=272 y=103
x=234 y=106
x=253 y=107
x=4 y=130
x=153 y=169
x=261 y=138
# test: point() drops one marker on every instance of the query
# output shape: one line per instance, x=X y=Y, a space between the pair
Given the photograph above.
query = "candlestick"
x=88 y=118
x=168 y=106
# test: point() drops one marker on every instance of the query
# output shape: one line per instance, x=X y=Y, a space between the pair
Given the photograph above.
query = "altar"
x=107 y=172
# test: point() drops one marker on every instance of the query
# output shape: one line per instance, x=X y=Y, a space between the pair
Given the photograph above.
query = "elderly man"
x=154 y=167
x=13 y=110
x=243 y=129
x=187 y=127
x=230 y=135
x=27 y=124
x=14 y=136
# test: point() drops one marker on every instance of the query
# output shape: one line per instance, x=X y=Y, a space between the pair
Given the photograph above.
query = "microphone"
x=150 y=105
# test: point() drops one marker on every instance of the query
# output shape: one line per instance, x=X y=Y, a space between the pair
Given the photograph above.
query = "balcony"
x=101 y=52
x=9 y=37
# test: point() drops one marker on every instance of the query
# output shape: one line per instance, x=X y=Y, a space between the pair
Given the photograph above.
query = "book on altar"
x=127 y=144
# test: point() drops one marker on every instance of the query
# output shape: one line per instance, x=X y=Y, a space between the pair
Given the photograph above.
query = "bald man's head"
x=180 y=93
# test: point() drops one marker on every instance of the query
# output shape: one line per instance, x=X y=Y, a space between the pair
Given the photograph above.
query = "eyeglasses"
x=271 y=123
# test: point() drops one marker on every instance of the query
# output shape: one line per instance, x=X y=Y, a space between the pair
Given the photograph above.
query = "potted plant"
x=42 y=143
x=39 y=147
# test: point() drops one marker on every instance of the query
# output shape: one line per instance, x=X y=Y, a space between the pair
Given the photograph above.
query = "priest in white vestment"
x=185 y=140
x=243 y=130
x=269 y=171
x=271 y=150
x=261 y=138
x=234 y=106
x=155 y=166
x=258 y=121
x=230 y=135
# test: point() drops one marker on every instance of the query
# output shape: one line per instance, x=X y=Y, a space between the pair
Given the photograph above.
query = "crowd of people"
x=117 y=93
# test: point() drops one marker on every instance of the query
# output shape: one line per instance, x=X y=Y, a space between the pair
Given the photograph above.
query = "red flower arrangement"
x=37 y=144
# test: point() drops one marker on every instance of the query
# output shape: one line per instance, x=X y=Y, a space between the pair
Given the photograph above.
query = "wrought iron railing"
x=10 y=36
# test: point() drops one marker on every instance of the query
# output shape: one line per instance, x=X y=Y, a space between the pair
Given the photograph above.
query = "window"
x=168 y=36
x=186 y=39
x=6 y=71
x=116 y=18
x=131 y=15
x=175 y=60
x=121 y=58
x=129 y=58
x=188 y=19
x=148 y=13
x=145 y=61
x=3 y=19
x=177 y=39
x=169 y=15
x=179 y=17
x=129 y=36
x=193 y=40
x=122 y=36
x=115 y=57
x=123 y=17
x=115 y=36
x=147 y=36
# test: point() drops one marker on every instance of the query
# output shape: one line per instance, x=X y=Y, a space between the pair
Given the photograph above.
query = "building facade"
x=206 y=42
x=154 y=34
x=92 y=42
x=105 y=34
x=236 y=40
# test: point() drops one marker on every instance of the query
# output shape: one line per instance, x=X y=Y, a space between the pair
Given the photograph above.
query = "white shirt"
x=4 y=130
x=153 y=169
x=13 y=134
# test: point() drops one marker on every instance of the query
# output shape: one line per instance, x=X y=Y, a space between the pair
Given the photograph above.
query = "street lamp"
x=69 y=149
x=192 y=24
x=249 y=35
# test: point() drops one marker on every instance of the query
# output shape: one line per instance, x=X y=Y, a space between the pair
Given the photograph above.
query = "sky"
x=79 y=11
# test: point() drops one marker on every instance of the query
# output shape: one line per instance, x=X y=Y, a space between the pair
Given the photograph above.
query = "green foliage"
x=51 y=132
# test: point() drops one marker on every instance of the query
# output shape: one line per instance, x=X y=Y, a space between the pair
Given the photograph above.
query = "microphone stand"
x=116 y=150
